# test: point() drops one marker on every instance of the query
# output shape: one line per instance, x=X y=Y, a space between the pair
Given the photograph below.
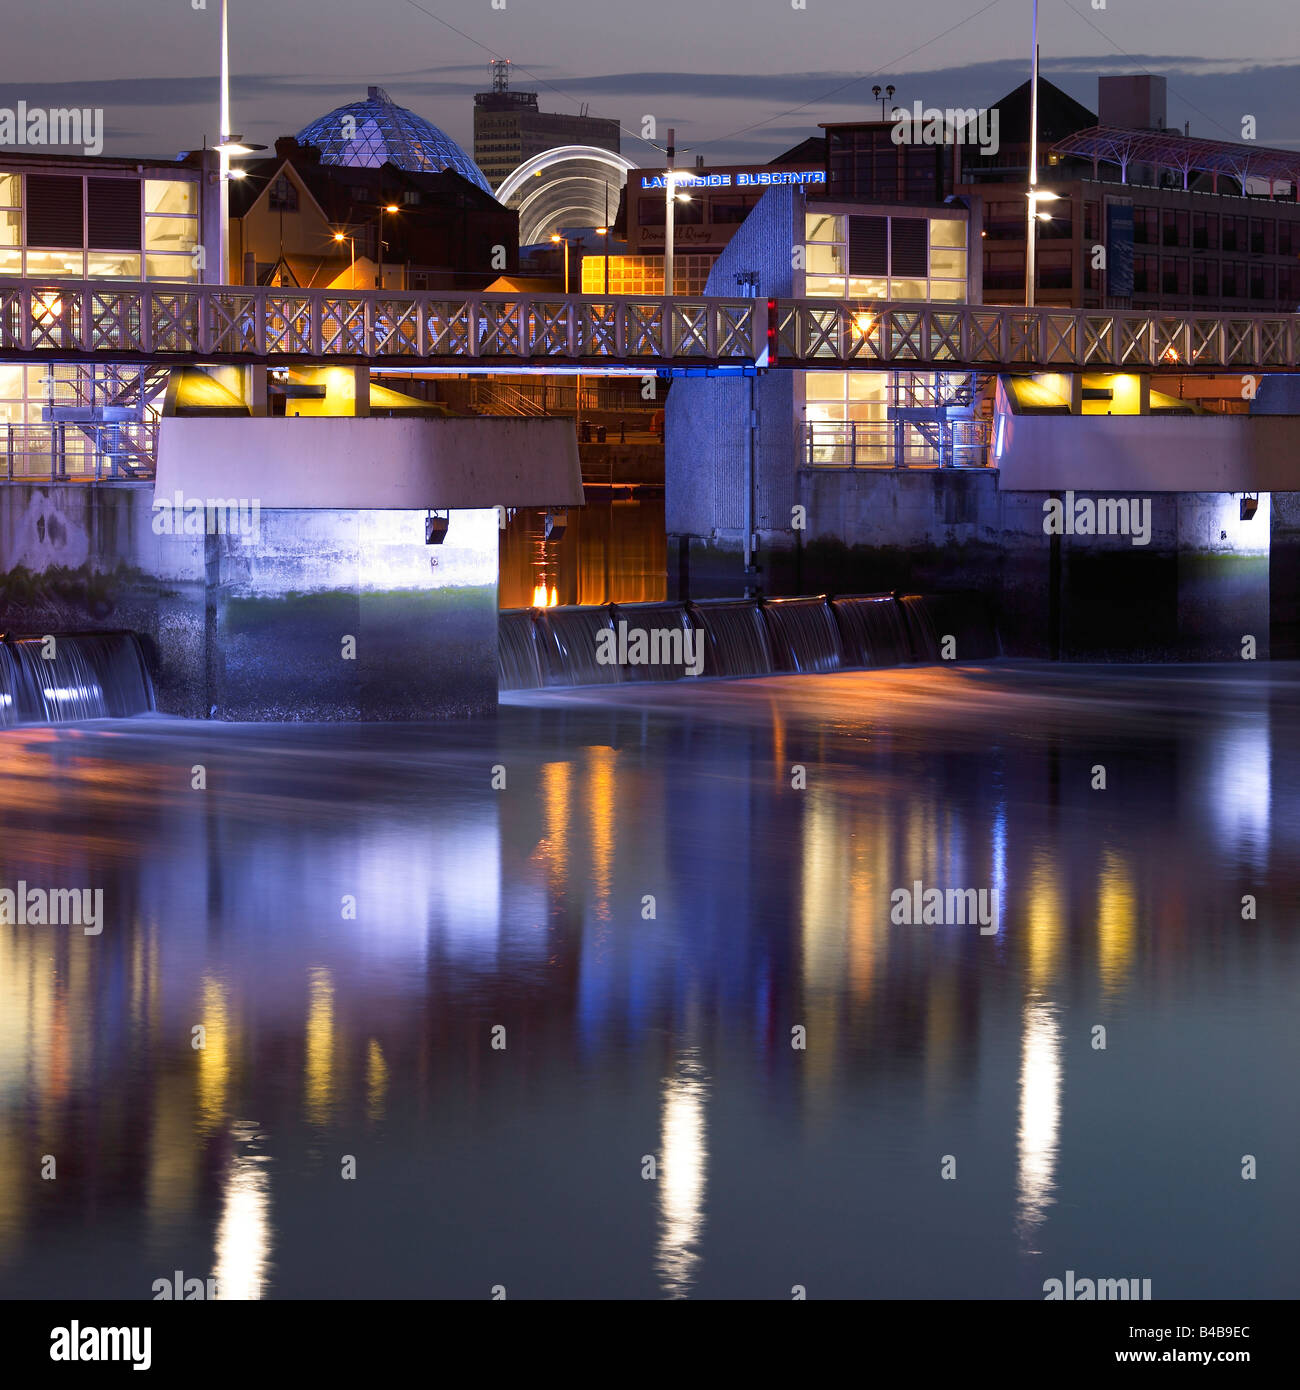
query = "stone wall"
x=254 y=627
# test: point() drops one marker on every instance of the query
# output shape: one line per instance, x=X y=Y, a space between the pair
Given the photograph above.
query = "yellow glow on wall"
x=1126 y=394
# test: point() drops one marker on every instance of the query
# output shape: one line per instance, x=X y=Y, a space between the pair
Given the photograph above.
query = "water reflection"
x=683 y=1177
x=242 y=1256
x=349 y=915
x=1040 y=1118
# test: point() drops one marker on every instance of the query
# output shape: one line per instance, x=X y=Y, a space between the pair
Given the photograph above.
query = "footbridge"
x=168 y=325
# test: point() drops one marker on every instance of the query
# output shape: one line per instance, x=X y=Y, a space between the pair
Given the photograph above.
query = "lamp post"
x=604 y=231
x=557 y=238
x=1031 y=210
x=352 y=269
x=668 y=212
x=388 y=207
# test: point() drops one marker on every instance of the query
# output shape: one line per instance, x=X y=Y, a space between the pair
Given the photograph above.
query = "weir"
x=556 y=647
x=92 y=675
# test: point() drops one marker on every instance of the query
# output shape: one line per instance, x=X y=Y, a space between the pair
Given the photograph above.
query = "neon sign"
x=764 y=179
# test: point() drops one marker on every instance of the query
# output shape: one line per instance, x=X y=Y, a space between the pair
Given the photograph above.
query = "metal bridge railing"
x=962 y=443
x=66 y=452
x=159 y=322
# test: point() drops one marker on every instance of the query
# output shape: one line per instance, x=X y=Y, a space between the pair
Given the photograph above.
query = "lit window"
x=175 y=234
x=113 y=265
x=70 y=264
x=170 y=268
x=171 y=197
x=946 y=231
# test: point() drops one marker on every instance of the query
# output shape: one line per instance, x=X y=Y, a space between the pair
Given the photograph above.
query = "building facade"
x=96 y=219
x=297 y=220
x=509 y=128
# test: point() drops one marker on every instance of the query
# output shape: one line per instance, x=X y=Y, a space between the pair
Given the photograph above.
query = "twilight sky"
x=725 y=73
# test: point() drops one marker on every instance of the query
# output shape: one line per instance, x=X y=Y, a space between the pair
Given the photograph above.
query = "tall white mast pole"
x=1031 y=214
x=223 y=239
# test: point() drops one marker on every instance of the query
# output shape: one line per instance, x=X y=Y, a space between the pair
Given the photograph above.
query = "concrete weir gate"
x=278 y=567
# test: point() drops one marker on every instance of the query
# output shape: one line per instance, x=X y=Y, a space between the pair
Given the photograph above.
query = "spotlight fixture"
x=555 y=526
x=1249 y=506
x=435 y=528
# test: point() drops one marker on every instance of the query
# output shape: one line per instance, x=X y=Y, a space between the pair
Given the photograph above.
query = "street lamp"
x=1031 y=207
x=388 y=207
x=604 y=231
x=557 y=238
x=352 y=270
x=671 y=197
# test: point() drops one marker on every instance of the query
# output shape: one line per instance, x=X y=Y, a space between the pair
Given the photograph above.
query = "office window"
x=1174 y=277
x=908 y=247
x=1261 y=282
x=113 y=265
x=1262 y=235
x=54 y=210
x=1205 y=231
x=1055 y=268
x=868 y=241
x=113 y=214
x=1235 y=230
x=1205 y=279
x=1144 y=226
x=1288 y=286
x=1173 y=228
x=171 y=229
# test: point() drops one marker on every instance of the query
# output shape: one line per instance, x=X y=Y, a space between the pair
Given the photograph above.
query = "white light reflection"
x=243 y=1247
x=1238 y=786
x=1040 y=1117
x=682 y=1177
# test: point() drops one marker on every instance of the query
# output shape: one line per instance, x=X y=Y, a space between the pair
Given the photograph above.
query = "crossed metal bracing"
x=811 y=332
x=175 y=325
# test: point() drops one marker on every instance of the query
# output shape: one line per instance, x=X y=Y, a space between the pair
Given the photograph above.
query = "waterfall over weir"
x=549 y=647
x=91 y=675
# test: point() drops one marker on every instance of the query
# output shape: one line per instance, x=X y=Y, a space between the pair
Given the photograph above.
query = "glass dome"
x=366 y=134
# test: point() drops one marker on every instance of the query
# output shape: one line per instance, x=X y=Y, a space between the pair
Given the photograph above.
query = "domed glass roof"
x=366 y=134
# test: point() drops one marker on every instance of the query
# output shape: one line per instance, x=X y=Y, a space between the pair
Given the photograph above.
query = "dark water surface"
x=627 y=1036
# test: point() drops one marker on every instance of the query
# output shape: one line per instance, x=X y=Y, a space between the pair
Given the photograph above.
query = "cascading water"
x=963 y=617
x=518 y=660
x=663 y=619
x=738 y=643
x=99 y=675
x=873 y=630
x=568 y=639
x=744 y=637
x=804 y=635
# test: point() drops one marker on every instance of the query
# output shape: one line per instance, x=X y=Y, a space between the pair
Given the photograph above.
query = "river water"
x=638 y=1023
